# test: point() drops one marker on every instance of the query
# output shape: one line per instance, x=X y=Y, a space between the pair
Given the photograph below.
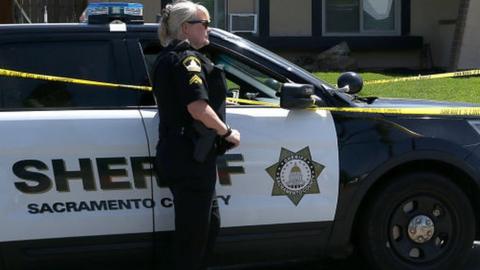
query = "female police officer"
x=189 y=91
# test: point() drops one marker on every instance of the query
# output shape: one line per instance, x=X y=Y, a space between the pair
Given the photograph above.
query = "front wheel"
x=420 y=221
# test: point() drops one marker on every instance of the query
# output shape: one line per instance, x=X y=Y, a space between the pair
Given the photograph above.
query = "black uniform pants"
x=197 y=218
x=197 y=222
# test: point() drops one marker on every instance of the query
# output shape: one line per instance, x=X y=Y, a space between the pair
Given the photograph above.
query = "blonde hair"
x=173 y=16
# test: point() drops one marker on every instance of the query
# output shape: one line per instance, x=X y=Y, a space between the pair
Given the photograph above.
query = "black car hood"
x=409 y=103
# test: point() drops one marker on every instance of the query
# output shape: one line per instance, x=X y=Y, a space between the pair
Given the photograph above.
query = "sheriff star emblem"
x=295 y=174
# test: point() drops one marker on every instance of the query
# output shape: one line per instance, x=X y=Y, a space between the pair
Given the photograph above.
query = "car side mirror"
x=296 y=96
x=350 y=82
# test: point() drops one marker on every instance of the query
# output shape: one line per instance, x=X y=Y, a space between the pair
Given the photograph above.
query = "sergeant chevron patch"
x=195 y=80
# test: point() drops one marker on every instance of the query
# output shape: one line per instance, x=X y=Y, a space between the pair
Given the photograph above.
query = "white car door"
x=70 y=174
x=285 y=170
x=72 y=159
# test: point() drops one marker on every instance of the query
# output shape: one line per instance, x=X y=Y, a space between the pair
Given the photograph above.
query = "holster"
x=222 y=146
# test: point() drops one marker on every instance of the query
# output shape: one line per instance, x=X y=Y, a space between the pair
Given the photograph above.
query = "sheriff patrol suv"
x=76 y=175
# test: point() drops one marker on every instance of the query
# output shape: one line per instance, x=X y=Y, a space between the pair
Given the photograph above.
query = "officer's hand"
x=234 y=138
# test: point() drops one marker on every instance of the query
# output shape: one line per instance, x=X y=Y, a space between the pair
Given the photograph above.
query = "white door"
x=68 y=173
x=285 y=170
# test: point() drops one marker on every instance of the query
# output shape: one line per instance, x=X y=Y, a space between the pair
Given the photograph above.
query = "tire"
x=441 y=219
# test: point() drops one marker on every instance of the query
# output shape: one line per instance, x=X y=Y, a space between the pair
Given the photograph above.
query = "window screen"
x=362 y=16
x=342 y=16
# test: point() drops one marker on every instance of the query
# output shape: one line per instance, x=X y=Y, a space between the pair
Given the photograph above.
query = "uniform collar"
x=181 y=45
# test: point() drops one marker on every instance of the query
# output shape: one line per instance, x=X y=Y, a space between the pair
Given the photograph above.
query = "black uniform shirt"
x=182 y=75
x=178 y=79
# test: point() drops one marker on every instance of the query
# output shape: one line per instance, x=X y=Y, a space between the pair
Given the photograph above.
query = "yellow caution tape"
x=251 y=102
x=431 y=111
x=466 y=73
x=13 y=73
x=460 y=111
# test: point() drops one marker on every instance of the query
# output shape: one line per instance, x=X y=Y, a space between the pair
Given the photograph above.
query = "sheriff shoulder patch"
x=295 y=174
x=192 y=64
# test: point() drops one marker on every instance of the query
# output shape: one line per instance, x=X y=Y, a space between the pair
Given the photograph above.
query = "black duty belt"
x=177 y=131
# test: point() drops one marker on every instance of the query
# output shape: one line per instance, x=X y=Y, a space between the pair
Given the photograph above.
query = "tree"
x=6 y=11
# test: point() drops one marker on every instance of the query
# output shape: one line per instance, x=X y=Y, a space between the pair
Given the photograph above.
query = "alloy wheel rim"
x=420 y=230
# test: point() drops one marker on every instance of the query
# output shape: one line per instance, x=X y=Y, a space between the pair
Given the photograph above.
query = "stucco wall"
x=291 y=18
x=470 y=49
x=151 y=9
x=384 y=60
x=435 y=21
x=242 y=6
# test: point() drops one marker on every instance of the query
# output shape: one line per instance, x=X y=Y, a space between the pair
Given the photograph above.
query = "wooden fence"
x=56 y=11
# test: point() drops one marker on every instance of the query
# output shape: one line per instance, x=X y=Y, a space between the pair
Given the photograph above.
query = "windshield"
x=254 y=48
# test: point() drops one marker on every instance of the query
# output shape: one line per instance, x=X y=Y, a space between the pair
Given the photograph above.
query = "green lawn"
x=465 y=89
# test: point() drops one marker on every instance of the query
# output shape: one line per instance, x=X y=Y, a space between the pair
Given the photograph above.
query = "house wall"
x=469 y=52
x=151 y=9
x=435 y=20
x=242 y=6
x=284 y=22
x=378 y=60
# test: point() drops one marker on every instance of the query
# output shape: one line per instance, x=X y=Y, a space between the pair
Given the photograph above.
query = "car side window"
x=244 y=81
x=89 y=60
x=247 y=82
x=151 y=49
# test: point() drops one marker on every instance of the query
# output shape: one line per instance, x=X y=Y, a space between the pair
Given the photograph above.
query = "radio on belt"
x=104 y=13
